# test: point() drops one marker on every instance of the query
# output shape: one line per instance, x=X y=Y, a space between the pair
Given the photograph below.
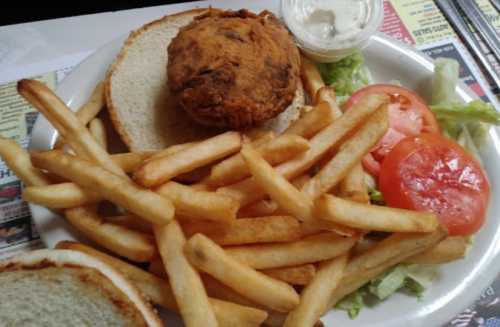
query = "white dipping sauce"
x=328 y=30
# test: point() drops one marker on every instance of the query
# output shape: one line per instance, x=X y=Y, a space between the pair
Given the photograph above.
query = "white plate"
x=459 y=283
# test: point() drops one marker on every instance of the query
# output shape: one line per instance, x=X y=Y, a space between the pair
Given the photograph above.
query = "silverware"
x=482 y=25
x=496 y=4
x=451 y=12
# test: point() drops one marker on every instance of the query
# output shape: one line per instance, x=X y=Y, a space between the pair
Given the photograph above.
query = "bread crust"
x=113 y=111
x=40 y=259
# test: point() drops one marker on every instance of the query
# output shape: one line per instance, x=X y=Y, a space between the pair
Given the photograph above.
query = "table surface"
x=28 y=44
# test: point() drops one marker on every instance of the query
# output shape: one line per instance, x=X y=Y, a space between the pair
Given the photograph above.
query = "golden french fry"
x=130 y=161
x=248 y=230
x=296 y=275
x=298 y=182
x=279 y=189
x=172 y=149
x=327 y=94
x=308 y=250
x=258 y=209
x=75 y=133
x=210 y=258
x=384 y=255
x=315 y=297
x=349 y=154
x=372 y=217
x=131 y=222
x=160 y=292
x=311 y=78
x=114 y=188
x=125 y=242
x=93 y=105
x=247 y=191
x=353 y=186
x=58 y=196
x=187 y=287
x=89 y=110
x=257 y=133
x=160 y=170
x=313 y=121
x=276 y=151
x=201 y=187
x=18 y=160
x=98 y=131
x=450 y=249
x=199 y=204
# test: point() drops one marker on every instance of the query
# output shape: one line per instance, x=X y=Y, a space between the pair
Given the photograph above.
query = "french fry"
x=308 y=250
x=384 y=255
x=247 y=191
x=130 y=161
x=131 y=222
x=258 y=209
x=279 y=189
x=114 y=188
x=75 y=134
x=315 y=297
x=89 y=110
x=195 y=176
x=172 y=149
x=160 y=292
x=276 y=151
x=210 y=258
x=327 y=94
x=160 y=170
x=349 y=154
x=375 y=218
x=353 y=186
x=125 y=242
x=98 y=131
x=18 y=160
x=298 y=182
x=59 y=196
x=187 y=287
x=311 y=78
x=311 y=122
x=255 y=134
x=201 y=187
x=199 y=204
x=297 y=275
x=249 y=230
x=450 y=249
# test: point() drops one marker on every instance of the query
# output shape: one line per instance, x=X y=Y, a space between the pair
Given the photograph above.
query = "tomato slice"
x=408 y=116
x=432 y=173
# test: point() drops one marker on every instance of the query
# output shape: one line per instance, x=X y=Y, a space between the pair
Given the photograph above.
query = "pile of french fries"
x=241 y=229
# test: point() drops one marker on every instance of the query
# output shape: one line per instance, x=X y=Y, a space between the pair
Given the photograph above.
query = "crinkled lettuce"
x=346 y=75
x=466 y=123
x=376 y=196
x=400 y=278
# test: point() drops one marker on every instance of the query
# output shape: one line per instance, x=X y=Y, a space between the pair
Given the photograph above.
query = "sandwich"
x=69 y=288
x=170 y=85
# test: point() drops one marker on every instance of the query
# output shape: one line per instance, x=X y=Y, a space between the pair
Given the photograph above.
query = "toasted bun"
x=137 y=94
x=69 y=288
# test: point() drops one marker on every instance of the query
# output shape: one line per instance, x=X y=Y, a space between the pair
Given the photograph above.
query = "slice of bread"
x=137 y=94
x=68 y=288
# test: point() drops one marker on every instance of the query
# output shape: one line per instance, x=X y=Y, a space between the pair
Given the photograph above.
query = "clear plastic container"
x=329 y=30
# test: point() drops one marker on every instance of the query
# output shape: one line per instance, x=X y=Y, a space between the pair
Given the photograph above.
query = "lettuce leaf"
x=474 y=111
x=387 y=284
x=346 y=75
x=353 y=303
x=376 y=196
x=445 y=80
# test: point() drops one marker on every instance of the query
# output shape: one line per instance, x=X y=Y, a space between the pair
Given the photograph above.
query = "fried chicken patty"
x=233 y=69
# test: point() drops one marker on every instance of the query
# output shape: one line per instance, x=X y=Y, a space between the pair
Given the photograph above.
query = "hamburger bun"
x=69 y=288
x=138 y=98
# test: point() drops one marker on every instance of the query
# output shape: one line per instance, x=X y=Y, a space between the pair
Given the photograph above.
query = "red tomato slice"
x=408 y=116
x=432 y=173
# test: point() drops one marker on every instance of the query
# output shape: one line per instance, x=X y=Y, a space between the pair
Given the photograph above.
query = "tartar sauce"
x=328 y=30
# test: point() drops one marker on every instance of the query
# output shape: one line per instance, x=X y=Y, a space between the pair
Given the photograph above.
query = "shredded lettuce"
x=353 y=303
x=346 y=75
x=387 y=284
x=466 y=123
x=406 y=278
x=376 y=196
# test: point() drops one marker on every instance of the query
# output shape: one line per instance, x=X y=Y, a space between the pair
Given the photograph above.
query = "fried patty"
x=233 y=69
